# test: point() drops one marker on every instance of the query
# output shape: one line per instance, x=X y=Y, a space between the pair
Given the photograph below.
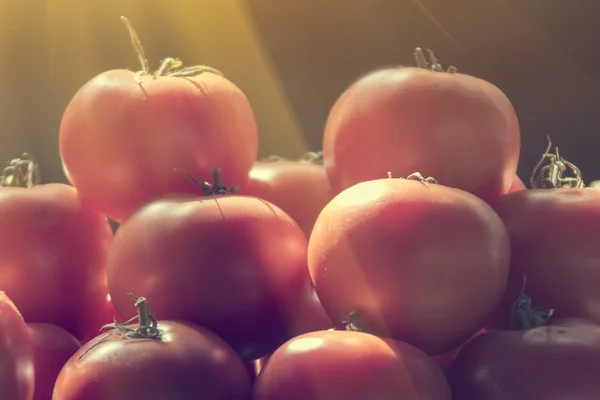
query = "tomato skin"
x=349 y=365
x=383 y=247
x=106 y=315
x=457 y=128
x=553 y=236
x=234 y=264
x=310 y=316
x=188 y=362
x=16 y=353
x=444 y=360
x=120 y=141
x=52 y=348
x=53 y=258
x=517 y=185
x=553 y=362
x=301 y=189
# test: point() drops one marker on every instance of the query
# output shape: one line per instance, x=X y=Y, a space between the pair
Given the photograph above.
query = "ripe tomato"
x=301 y=189
x=445 y=359
x=16 y=354
x=349 y=365
x=553 y=362
x=517 y=184
x=52 y=348
x=234 y=264
x=164 y=360
x=460 y=129
x=106 y=314
x=553 y=235
x=310 y=316
x=423 y=263
x=54 y=248
x=120 y=140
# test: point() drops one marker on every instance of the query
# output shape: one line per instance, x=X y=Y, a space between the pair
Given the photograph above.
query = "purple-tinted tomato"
x=52 y=348
x=423 y=263
x=234 y=264
x=351 y=366
x=185 y=362
x=554 y=362
x=16 y=354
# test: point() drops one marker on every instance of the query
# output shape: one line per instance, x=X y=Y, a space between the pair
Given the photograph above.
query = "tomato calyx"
x=524 y=316
x=21 y=172
x=416 y=176
x=168 y=67
x=310 y=157
x=548 y=172
x=354 y=324
x=432 y=64
x=212 y=189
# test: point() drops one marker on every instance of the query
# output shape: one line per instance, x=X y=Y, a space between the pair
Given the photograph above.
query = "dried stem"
x=551 y=175
x=432 y=64
x=524 y=316
x=215 y=188
x=354 y=324
x=21 y=172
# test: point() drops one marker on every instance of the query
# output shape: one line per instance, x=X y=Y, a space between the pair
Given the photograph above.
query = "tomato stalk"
x=550 y=175
x=524 y=316
x=416 y=176
x=354 y=324
x=215 y=188
x=21 y=172
x=432 y=64
x=168 y=67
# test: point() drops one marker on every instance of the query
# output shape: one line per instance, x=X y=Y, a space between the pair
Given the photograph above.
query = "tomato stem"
x=524 y=316
x=550 y=176
x=432 y=64
x=354 y=324
x=168 y=67
x=21 y=172
x=215 y=188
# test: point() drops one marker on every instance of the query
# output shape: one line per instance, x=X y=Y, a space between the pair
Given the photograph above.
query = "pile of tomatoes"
x=406 y=260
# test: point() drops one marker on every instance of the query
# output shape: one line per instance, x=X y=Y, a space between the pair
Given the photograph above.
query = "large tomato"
x=553 y=235
x=554 y=362
x=167 y=360
x=423 y=263
x=458 y=128
x=52 y=348
x=16 y=354
x=120 y=139
x=234 y=264
x=54 y=249
x=350 y=366
x=300 y=188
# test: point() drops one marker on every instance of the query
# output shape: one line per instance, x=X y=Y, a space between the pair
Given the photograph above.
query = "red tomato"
x=16 y=354
x=460 y=129
x=554 y=362
x=301 y=189
x=105 y=315
x=186 y=362
x=234 y=264
x=52 y=348
x=423 y=263
x=444 y=360
x=310 y=316
x=53 y=258
x=517 y=184
x=553 y=235
x=120 y=140
x=349 y=365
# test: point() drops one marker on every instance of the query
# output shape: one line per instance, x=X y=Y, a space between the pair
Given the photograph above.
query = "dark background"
x=294 y=58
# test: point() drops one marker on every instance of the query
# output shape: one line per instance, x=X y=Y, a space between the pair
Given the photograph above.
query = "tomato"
x=349 y=365
x=170 y=360
x=301 y=189
x=310 y=316
x=54 y=249
x=545 y=363
x=234 y=264
x=423 y=263
x=517 y=184
x=445 y=359
x=553 y=234
x=106 y=314
x=120 y=140
x=16 y=353
x=460 y=129
x=52 y=348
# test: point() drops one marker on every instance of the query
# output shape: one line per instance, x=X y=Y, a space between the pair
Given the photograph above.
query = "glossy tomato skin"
x=189 y=362
x=301 y=189
x=553 y=235
x=422 y=263
x=53 y=259
x=457 y=128
x=351 y=366
x=234 y=264
x=16 y=354
x=52 y=348
x=554 y=362
x=120 y=141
